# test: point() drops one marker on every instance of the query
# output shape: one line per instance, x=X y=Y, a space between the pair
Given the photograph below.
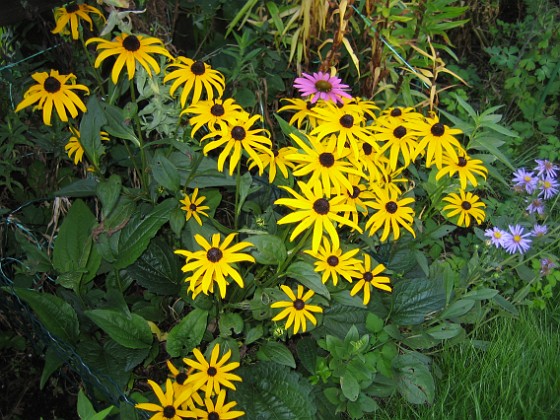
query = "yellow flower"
x=465 y=167
x=211 y=113
x=236 y=137
x=195 y=76
x=400 y=140
x=180 y=386
x=212 y=263
x=74 y=145
x=391 y=212
x=169 y=403
x=359 y=197
x=312 y=208
x=219 y=410
x=466 y=205
x=303 y=112
x=52 y=90
x=193 y=208
x=214 y=373
x=72 y=14
x=129 y=50
x=370 y=279
x=390 y=180
x=297 y=310
x=333 y=263
x=278 y=161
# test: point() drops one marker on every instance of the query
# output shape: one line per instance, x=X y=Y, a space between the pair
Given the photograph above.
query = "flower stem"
x=143 y=160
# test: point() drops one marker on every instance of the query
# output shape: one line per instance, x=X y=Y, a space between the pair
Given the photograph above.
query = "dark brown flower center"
x=321 y=206
x=310 y=105
x=213 y=416
x=326 y=159
x=323 y=86
x=131 y=43
x=462 y=161
x=355 y=192
x=51 y=85
x=198 y=68
x=437 y=129
x=399 y=132
x=299 y=304
x=367 y=148
x=368 y=276
x=73 y=8
x=217 y=110
x=396 y=112
x=169 y=412
x=212 y=371
x=238 y=133
x=214 y=254
x=391 y=207
x=332 y=261
x=181 y=378
x=466 y=205
x=192 y=207
x=347 y=121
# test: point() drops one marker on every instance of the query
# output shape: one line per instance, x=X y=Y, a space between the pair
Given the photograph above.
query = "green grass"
x=517 y=377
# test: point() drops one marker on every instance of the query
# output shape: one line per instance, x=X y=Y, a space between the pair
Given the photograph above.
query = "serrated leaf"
x=306 y=349
x=187 y=334
x=414 y=299
x=132 y=332
x=269 y=249
x=272 y=351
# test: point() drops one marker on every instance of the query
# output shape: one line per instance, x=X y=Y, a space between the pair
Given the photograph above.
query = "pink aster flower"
x=321 y=86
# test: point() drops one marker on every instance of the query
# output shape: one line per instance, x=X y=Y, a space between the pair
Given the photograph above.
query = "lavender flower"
x=536 y=206
x=546 y=266
x=516 y=240
x=524 y=179
x=539 y=230
x=496 y=236
x=321 y=86
x=548 y=187
x=546 y=167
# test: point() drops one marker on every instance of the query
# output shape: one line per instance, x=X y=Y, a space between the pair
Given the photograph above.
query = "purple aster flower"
x=321 y=86
x=546 y=266
x=496 y=236
x=536 y=206
x=546 y=167
x=524 y=179
x=548 y=187
x=516 y=240
x=539 y=230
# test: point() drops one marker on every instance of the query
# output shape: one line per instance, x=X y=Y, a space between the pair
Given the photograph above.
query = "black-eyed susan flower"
x=297 y=310
x=360 y=197
x=212 y=264
x=332 y=262
x=51 y=91
x=130 y=49
x=195 y=76
x=464 y=205
x=214 y=373
x=303 y=112
x=324 y=163
x=211 y=113
x=71 y=15
x=391 y=214
x=74 y=147
x=180 y=385
x=465 y=167
x=437 y=138
x=392 y=181
x=169 y=403
x=372 y=161
x=314 y=209
x=218 y=410
x=277 y=162
x=193 y=206
x=407 y=114
x=235 y=138
x=399 y=138
x=369 y=279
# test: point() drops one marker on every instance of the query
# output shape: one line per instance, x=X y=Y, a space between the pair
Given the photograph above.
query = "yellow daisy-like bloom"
x=391 y=213
x=402 y=114
x=325 y=163
x=71 y=15
x=390 y=180
x=370 y=279
x=219 y=410
x=170 y=403
x=278 y=161
x=236 y=137
x=465 y=167
x=466 y=205
x=211 y=113
x=359 y=197
x=437 y=138
x=366 y=107
x=195 y=76
x=212 y=263
x=52 y=90
x=74 y=147
x=193 y=208
x=303 y=112
x=297 y=310
x=129 y=50
x=332 y=262
x=346 y=124
x=372 y=161
x=214 y=373
x=312 y=208
x=399 y=140
x=179 y=386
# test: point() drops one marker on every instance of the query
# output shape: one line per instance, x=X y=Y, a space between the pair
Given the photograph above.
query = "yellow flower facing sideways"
x=71 y=15
x=465 y=167
x=74 y=146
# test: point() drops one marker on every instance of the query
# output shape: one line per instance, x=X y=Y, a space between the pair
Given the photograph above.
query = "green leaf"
x=58 y=317
x=304 y=273
x=414 y=380
x=254 y=334
x=414 y=299
x=269 y=249
x=374 y=323
x=187 y=334
x=306 y=349
x=481 y=294
x=350 y=386
x=458 y=308
x=108 y=192
x=445 y=331
x=90 y=127
x=505 y=304
x=230 y=323
x=86 y=410
x=132 y=332
x=81 y=188
x=52 y=363
x=116 y=124
x=338 y=319
x=165 y=172
x=272 y=351
x=138 y=232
